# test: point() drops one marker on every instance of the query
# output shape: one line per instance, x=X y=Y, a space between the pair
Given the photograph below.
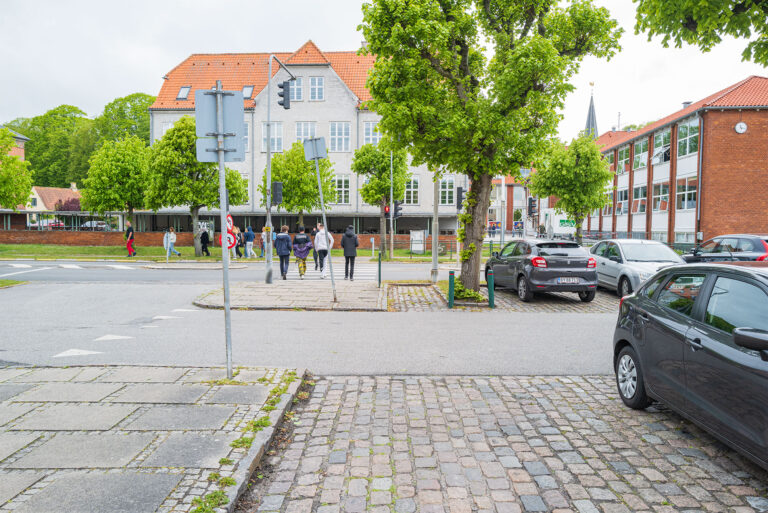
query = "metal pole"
x=223 y=200
x=268 y=243
x=435 y=231
x=391 y=210
x=325 y=224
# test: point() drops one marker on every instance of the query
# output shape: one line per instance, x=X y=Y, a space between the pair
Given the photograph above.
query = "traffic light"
x=277 y=193
x=285 y=94
x=459 y=197
x=532 y=206
x=398 y=209
x=386 y=211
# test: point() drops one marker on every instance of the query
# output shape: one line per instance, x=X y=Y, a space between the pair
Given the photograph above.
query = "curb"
x=210 y=306
x=198 y=267
x=247 y=465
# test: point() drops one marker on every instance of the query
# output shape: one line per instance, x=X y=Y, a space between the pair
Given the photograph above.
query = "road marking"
x=29 y=271
x=164 y=317
x=76 y=352
x=21 y=266
x=183 y=310
x=69 y=266
x=112 y=337
x=123 y=267
x=149 y=326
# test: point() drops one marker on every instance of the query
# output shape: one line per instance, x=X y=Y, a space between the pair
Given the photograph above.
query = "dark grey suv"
x=730 y=248
x=695 y=337
x=531 y=266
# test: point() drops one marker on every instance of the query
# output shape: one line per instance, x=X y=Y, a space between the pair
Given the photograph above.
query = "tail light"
x=591 y=263
x=763 y=258
x=538 y=262
x=621 y=302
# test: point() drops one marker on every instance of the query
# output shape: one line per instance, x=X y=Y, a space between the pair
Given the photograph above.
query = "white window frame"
x=164 y=127
x=186 y=90
x=412 y=191
x=276 y=136
x=622 y=160
x=662 y=196
x=687 y=192
x=609 y=157
x=250 y=96
x=608 y=208
x=371 y=135
x=622 y=202
x=642 y=206
x=448 y=191
x=316 y=89
x=341 y=186
x=641 y=156
x=661 y=145
x=297 y=90
x=305 y=130
x=687 y=135
x=340 y=136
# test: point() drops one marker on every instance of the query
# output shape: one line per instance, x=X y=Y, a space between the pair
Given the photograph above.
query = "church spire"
x=591 y=128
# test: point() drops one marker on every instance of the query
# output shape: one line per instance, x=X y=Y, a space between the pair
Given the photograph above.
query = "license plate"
x=567 y=280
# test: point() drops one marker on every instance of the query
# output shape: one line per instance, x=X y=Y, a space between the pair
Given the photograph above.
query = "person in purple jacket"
x=301 y=246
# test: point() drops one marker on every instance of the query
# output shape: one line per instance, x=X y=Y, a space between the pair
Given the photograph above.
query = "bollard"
x=379 y=268
x=451 y=280
x=491 y=291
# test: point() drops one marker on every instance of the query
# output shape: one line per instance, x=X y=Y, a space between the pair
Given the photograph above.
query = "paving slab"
x=69 y=392
x=9 y=412
x=49 y=374
x=144 y=375
x=168 y=393
x=130 y=492
x=100 y=450
x=8 y=391
x=182 y=418
x=75 y=417
x=13 y=484
x=237 y=394
x=9 y=374
x=191 y=450
x=12 y=442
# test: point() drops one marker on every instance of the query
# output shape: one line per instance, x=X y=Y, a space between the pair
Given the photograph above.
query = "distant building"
x=20 y=141
x=44 y=199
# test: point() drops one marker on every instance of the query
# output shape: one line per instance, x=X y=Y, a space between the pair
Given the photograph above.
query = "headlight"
x=645 y=276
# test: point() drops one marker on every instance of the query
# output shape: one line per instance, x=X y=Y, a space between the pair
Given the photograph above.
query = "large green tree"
x=126 y=116
x=372 y=162
x=577 y=175
x=176 y=178
x=15 y=175
x=117 y=178
x=457 y=110
x=299 y=180
x=703 y=23
x=82 y=144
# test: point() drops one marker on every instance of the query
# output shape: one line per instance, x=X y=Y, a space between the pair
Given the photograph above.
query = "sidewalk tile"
x=13 y=411
x=143 y=375
x=237 y=394
x=8 y=391
x=69 y=392
x=191 y=450
x=69 y=417
x=182 y=418
x=12 y=442
x=13 y=484
x=85 y=451
x=169 y=393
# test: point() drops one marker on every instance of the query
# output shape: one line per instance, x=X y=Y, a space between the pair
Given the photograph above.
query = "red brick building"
x=20 y=141
x=699 y=172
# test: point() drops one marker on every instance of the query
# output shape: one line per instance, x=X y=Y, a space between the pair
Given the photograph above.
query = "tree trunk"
x=383 y=231
x=195 y=211
x=478 y=201
x=130 y=214
x=579 y=219
x=301 y=218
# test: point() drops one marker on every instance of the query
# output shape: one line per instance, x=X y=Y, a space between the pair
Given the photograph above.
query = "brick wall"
x=734 y=178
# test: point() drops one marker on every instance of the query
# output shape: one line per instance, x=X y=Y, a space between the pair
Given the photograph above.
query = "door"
x=612 y=268
x=501 y=264
x=598 y=252
x=727 y=385
x=708 y=252
x=667 y=321
x=515 y=262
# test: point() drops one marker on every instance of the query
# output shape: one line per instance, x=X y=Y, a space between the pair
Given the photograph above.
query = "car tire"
x=630 y=381
x=625 y=287
x=587 y=296
x=523 y=290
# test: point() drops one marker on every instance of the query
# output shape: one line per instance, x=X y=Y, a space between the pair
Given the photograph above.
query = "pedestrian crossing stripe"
x=69 y=266
x=123 y=267
x=21 y=266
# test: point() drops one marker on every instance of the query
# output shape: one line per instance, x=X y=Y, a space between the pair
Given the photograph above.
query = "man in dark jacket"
x=204 y=241
x=349 y=243
x=283 y=248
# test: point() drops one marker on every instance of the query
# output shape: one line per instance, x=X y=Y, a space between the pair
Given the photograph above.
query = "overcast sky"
x=88 y=52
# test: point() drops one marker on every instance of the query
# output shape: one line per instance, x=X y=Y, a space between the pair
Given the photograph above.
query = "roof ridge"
x=728 y=90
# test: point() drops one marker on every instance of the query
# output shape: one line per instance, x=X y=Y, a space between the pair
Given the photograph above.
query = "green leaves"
x=371 y=162
x=126 y=116
x=15 y=175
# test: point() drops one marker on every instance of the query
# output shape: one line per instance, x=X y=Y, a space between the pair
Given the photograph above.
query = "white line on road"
x=69 y=266
x=149 y=326
x=21 y=266
x=164 y=317
x=76 y=352
x=29 y=271
x=123 y=267
x=112 y=337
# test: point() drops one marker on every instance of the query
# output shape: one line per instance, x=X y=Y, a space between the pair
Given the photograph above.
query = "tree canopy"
x=704 y=23
x=126 y=116
x=459 y=111
x=299 y=180
x=15 y=175
x=577 y=175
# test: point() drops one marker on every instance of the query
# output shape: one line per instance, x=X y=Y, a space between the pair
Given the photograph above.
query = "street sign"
x=517 y=226
x=315 y=149
x=568 y=223
x=205 y=125
x=231 y=240
x=230 y=223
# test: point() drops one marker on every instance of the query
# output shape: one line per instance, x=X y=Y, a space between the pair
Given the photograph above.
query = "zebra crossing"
x=74 y=266
x=363 y=272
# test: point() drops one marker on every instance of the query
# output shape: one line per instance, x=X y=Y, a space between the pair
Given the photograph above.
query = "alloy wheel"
x=625 y=288
x=627 y=376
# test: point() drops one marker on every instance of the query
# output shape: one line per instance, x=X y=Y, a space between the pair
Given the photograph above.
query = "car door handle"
x=643 y=315
x=695 y=343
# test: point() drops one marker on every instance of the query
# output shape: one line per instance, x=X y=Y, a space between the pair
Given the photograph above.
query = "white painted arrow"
x=112 y=337
x=75 y=352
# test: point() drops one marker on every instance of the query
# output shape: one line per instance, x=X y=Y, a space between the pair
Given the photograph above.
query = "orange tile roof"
x=52 y=195
x=235 y=70
x=750 y=92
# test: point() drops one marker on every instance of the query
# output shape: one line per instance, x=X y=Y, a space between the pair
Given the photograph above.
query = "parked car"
x=539 y=265
x=730 y=247
x=47 y=224
x=695 y=337
x=95 y=226
x=624 y=264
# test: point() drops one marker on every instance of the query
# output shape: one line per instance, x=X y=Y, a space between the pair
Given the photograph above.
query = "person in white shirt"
x=169 y=241
x=323 y=243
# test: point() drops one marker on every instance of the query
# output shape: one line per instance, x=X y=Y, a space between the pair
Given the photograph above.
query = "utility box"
x=418 y=241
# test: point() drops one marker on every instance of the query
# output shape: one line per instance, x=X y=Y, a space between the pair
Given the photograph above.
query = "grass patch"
x=242 y=443
x=226 y=461
x=210 y=502
x=460 y=293
x=10 y=283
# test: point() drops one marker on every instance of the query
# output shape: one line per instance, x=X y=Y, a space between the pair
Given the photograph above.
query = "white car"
x=624 y=264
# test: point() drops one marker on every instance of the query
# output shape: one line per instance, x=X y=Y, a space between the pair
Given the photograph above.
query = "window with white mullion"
x=339 y=136
x=371 y=134
x=305 y=130
x=341 y=183
x=623 y=160
x=412 y=191
x=276 y=134
x=316 y=88
x=641 y=154
x=622 y=201
x=447 y=188
x=688 y=137
x=297 y=90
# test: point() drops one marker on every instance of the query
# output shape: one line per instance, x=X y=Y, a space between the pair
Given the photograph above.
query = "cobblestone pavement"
x=503 y=444
x=421 y=298
x=129 y=439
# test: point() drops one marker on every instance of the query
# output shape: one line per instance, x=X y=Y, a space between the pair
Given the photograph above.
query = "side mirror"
x=696 y=250
x=495 y=254
x=614 y=258
x=754 y=339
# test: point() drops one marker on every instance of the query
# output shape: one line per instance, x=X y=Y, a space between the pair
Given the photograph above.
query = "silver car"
x=624 y=264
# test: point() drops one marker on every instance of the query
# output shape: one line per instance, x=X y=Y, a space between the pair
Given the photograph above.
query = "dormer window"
x=183 y=93
x=247 y=92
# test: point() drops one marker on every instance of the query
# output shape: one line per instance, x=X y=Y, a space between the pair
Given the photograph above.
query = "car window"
x=649 y=253
x=519 y=249
x=709 y=247
x=680 y=292
x=612 y=251
x=737 y=304
x=651 y=287
x=728 y=245
x=746 y=245
x=560 y=249
x=599 y=249
x=508 y=249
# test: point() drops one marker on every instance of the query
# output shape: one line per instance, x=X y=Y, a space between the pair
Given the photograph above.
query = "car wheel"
x=587 y=296
x=630 y=381
x=625 y=287
x=523 y=291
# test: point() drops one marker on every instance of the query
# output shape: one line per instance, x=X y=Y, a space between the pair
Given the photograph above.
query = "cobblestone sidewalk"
x=503 y=444
x=133 y=439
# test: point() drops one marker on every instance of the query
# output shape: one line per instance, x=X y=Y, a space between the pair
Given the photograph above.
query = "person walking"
x=170 y=246
x=283 y=248
x=129 y=239
x=263 y=240
x=249 y=237
x=301 y=246
x=350 y=243
x=205 y=239
x=314 y=249
x=238 y=240
x=323 y=243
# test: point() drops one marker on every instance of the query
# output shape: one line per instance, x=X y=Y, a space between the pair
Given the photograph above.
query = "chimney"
x=363 y=45
x=613 y=129
x=73 y=186
x=686 y=104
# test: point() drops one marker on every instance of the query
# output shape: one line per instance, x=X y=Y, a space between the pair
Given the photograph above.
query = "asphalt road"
x=149 y=319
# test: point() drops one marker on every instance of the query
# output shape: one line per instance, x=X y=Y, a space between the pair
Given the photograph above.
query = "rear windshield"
x=560 y=249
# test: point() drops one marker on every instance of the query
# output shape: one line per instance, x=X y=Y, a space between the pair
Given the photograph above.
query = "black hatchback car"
x=730 y=248
x=695 y=337
x=530 y=266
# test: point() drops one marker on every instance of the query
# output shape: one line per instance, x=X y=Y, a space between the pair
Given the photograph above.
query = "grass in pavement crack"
x=210 y=502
